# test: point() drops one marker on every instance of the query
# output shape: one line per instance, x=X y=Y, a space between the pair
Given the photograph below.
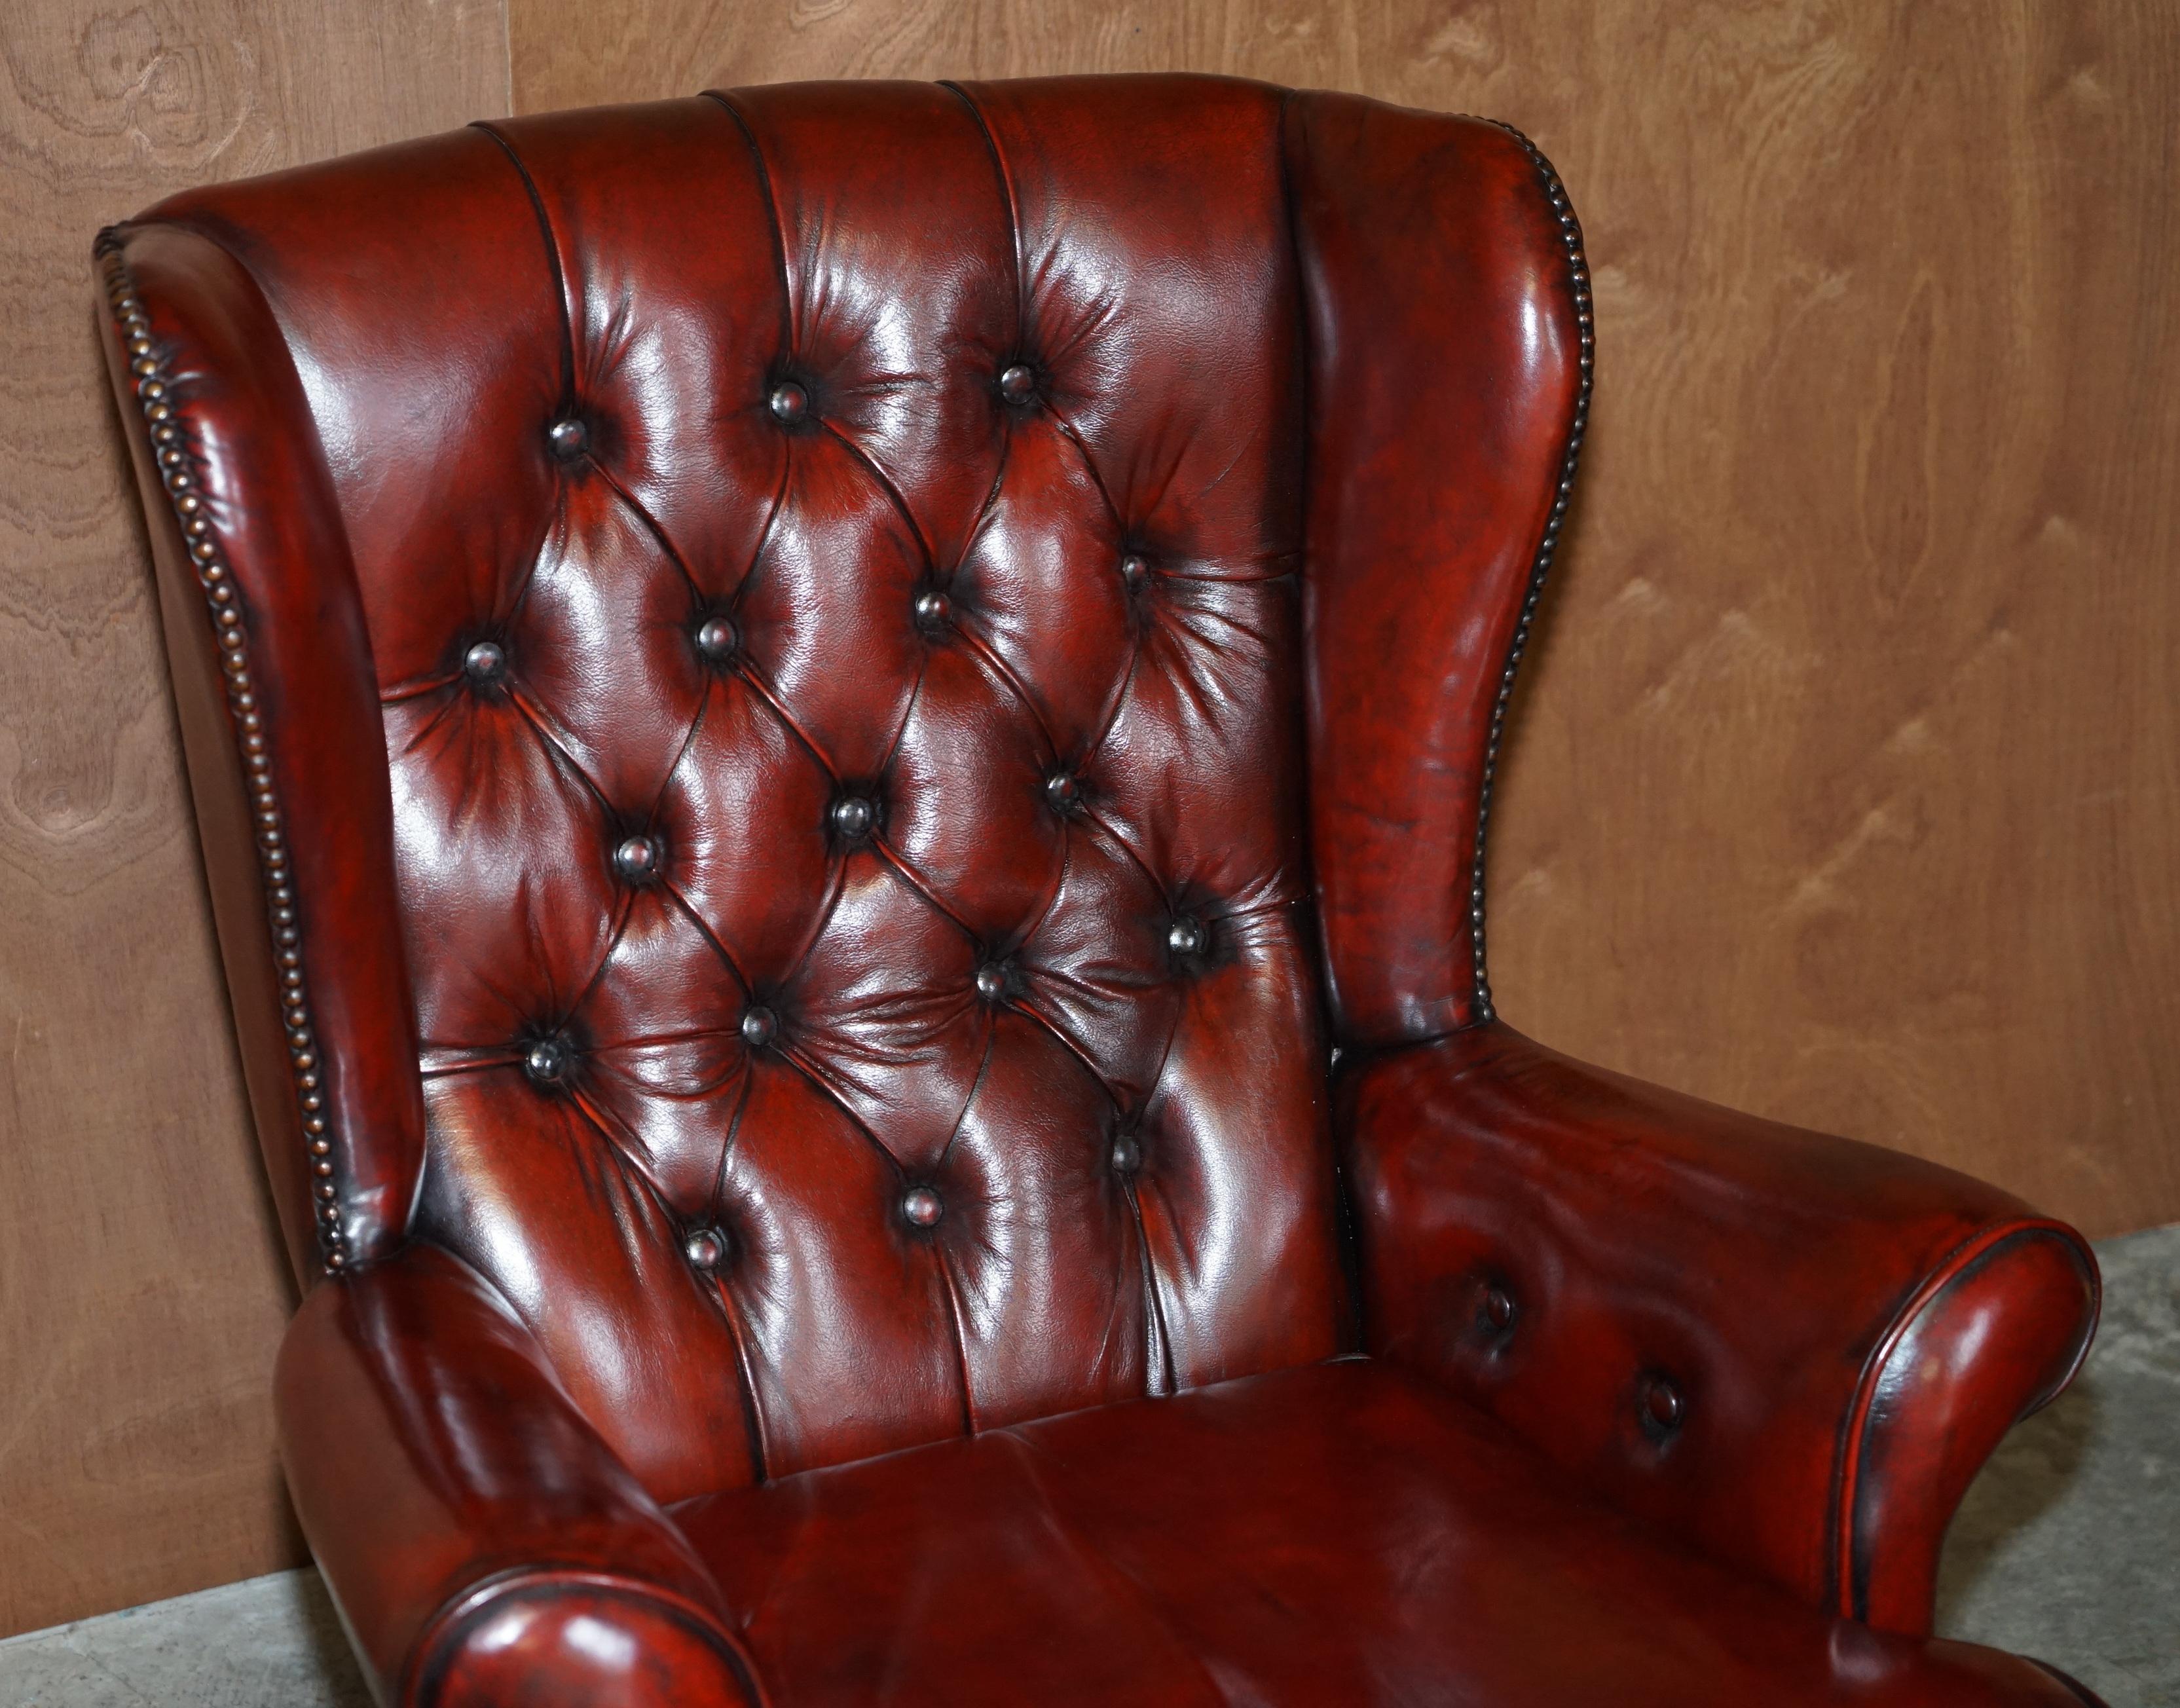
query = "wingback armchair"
x=843 y=736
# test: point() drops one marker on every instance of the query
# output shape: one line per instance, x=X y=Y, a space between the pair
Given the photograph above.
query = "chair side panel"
x=272 y=675
x=1448 y=371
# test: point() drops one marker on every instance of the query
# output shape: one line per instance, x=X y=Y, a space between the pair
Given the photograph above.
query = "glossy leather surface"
x=1839 y=1333
x=467 y=1513
x=810 y=711
x=1345 y=1533
x=1163 y=424
x=1445 y=349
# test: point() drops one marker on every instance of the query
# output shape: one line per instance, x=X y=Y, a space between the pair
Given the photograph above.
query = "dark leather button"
x=991 y=981
x=933 y=608
x=922 y=1207
x=636 y=859
x=706 y=1248
x=569 y=439
x=1017 y=383
x=1134 y=568
x=484 y=662
x=716 y=639
x=1063 y=791
x=853 y=817
x=1185 y=937
x=788 y=402
x=1127 y=1153
x=546 y=1061
x=1499 y=1311
x=760 y=1026
x=1664 y=1409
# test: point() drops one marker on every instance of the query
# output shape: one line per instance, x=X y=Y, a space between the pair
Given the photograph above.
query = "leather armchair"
x=843 y=735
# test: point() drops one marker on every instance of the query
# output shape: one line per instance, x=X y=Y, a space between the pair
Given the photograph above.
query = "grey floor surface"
x=2068 y=1547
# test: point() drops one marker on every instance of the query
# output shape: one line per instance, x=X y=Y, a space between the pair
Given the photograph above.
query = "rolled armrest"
x=483 y=1543
x=1794 y=1350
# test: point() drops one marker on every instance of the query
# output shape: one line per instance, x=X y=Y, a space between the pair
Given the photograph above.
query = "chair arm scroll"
x=483 y=1543
x=1794 y=1350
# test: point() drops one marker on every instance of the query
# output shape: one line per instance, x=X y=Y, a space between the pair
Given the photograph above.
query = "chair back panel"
x=831 y=562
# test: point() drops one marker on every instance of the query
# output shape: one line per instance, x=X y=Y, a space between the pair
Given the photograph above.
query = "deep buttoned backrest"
x=834 y=920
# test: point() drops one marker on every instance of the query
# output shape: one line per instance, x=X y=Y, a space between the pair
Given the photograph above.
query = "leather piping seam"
x=172 y=452
x=1540 y=566
x=2079 y=1690
x=1851 y=1594
x=431 y=1654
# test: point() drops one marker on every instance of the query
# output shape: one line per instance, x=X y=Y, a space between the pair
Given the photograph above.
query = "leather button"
x=1499 y=1312
x=706 y=1248
x=788 y=402
x=853 y=817
x=546 y=1061
x=1134 y=568
x=569 y=439
x=760 y=1026
x=1664 y=1409
x=716 y=639
x=1185 y=937
x=484 y=662
x=991 y=981
x=1063 y=791
x=933 y=608
x=1017 y=383
x=636 y=859
x=1127 y=1153
x=922 y=1207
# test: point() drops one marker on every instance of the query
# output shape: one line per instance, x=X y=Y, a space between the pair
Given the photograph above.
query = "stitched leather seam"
x=2080 y=1691
x=790 y=333
x=1013 y=210
x=551 y=258
x=1578 y=277
x=171 y=451
x=1848 y=1589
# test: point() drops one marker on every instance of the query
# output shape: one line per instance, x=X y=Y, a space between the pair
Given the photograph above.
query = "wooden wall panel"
x=1847 y=782
x=141 y=1284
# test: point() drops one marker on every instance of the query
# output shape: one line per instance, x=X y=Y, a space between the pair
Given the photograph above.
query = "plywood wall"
x=141 y=1285
x=1846 y=781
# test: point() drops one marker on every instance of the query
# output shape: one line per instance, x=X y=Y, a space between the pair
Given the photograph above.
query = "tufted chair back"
x=813 y=676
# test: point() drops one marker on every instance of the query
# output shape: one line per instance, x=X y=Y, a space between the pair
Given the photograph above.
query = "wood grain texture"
x=142 y=1289
x=1845 y=784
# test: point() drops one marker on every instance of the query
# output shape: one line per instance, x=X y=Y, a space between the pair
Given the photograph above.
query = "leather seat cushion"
x=1340 y=1533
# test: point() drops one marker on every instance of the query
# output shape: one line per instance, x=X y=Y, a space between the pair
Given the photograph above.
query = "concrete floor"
x=2068 y=1547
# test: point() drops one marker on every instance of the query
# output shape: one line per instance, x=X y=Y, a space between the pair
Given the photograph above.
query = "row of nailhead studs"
x=223 y=600
x=1579 y=274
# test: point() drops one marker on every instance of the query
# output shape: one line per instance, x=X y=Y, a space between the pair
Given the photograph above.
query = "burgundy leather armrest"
x=1793 y=1349
x=484 y=1545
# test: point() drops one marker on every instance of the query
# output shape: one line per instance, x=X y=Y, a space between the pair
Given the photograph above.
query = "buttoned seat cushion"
x=1337 y=1533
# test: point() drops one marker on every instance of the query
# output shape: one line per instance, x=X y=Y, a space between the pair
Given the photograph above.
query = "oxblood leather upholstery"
x=812 y=710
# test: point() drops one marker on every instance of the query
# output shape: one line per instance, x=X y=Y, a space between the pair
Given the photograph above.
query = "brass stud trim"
x=1579 y=281
x=167 y=430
